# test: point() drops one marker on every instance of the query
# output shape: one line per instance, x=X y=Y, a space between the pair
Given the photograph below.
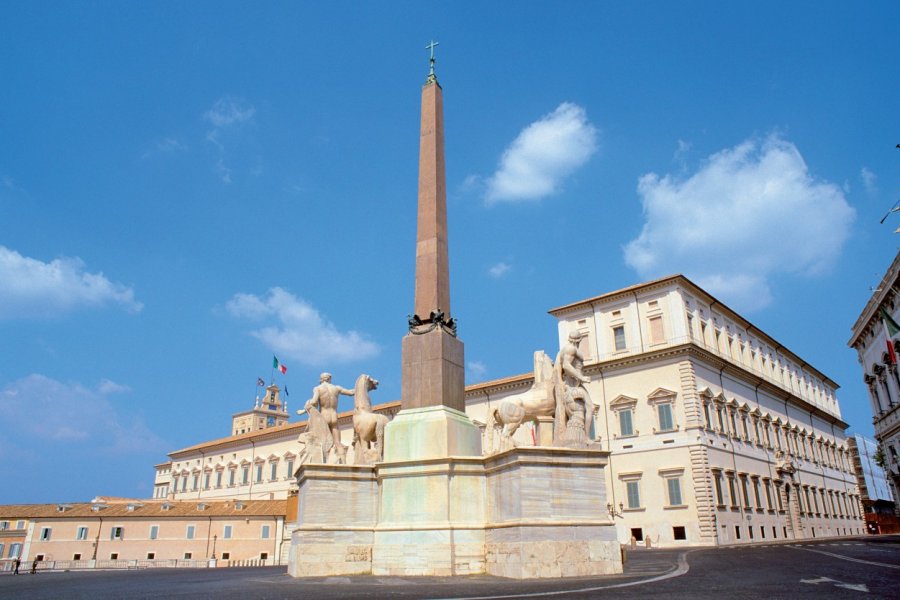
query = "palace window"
x=732 y=490
x=706 y=415
x=264 y=533
x=154 y=532
x=717 y=482
x=756 y=492
x=619 y=337
x=273 y=475
x=245 y=475
x=226 y=532
x=259 y=471
x=664 y=412
x=82 y=533
x=116 y=533
x=626 y=426
x=632 y=483
x=218 y=479
x=663 y=399
x=290 y=468
x=46 y=533
x=633 y=491
x=657 y=335
x=231 y=475
x=189 y=533
x=195 y=482
x=745 y=488
x=673 y=490
x=184 y=483
x=15 y=550
x=679 y=533
x=206 y=477
x=768 y=485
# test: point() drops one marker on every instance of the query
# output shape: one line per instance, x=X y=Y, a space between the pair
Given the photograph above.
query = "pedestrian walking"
x=16 y=564
x=34 y=566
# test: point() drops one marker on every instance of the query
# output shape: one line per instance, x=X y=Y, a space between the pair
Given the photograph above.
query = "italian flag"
x=891 y=328
x=278 y=365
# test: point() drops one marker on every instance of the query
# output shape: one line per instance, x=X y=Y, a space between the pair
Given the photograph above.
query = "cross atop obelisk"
x=433 y=372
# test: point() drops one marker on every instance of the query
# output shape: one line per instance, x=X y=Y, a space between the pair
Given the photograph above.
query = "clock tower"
x=267 y=412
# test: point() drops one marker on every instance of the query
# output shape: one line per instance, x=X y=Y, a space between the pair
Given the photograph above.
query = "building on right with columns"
x=718 y=434
x=876 y=339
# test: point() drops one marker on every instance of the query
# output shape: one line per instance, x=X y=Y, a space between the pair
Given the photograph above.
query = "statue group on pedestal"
x=322 y=438
x=559 y=391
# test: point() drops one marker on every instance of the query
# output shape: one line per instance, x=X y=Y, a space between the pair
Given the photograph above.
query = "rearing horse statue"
x=368 y=427
x=539 y=401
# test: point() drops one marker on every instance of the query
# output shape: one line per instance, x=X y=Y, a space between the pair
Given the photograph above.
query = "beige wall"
x=172 y=542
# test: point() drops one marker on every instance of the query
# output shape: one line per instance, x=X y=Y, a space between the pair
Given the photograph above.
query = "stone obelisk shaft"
x=432 y=259
x=433 y=362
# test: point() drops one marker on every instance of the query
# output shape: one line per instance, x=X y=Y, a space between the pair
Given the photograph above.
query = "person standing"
x=16 y=564
x=34 y=566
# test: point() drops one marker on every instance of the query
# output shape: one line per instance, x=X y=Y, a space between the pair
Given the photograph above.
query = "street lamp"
x=612 y=509
x=214 y=547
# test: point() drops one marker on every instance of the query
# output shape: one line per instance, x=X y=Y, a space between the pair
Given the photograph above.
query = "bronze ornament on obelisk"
x=433 y=372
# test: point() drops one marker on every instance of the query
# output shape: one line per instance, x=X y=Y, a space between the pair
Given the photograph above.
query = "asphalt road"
x=863 y=568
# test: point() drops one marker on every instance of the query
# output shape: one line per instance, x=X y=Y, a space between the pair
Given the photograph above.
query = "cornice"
x=692 y=350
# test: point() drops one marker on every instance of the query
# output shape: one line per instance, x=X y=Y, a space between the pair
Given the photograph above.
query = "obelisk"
x=433 y=366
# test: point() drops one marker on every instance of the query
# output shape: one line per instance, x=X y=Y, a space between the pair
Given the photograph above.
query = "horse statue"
x=368 y=427
x=539 y=401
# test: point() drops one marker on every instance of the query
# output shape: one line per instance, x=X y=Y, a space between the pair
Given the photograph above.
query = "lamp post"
x=214 y=547
x=612 y=510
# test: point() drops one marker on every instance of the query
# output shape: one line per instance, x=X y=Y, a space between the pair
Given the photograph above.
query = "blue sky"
x=188 y=188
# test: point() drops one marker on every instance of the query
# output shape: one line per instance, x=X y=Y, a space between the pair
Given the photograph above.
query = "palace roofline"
x=146 y=508
x=711 y=300
x=879 y=296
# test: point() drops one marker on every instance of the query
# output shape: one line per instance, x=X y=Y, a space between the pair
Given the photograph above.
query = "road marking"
x=851 y=559
x=683 y=568
x=857 y=587
x=817 y=581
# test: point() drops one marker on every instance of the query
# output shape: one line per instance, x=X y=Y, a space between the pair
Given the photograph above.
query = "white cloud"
x=301 y=333
x=38 y=409
x=227 y=114
x=499 y=270
x=750 y=213
x=32 y=288
x=111 y=387
x=229 y=111
x=475 y=370
x=542 y=155
x=870 y=181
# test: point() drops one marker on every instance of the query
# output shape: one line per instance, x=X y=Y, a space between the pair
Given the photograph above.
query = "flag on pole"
x=260 y=382
x=278 y=365
x=891 y=328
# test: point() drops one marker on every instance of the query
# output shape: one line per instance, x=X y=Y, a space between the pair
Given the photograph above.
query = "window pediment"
x=661 y=395
x=622 y=401
x=705 y=393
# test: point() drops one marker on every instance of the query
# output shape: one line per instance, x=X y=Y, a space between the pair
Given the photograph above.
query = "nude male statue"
x=325 y=398
x=578 y=400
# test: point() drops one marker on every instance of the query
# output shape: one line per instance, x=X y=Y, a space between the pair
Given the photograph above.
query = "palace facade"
x=718 y=433
x=877 y=349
